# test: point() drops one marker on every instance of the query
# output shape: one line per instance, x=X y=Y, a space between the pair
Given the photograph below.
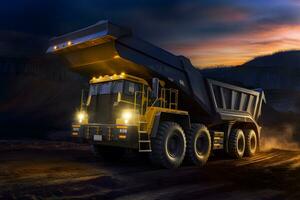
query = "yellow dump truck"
x=144 y=98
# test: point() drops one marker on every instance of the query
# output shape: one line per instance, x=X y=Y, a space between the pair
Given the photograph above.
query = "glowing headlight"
x=81 y=116
x=127 y=115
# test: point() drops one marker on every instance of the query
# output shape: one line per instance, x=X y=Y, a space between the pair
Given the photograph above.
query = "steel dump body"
x=105 y=48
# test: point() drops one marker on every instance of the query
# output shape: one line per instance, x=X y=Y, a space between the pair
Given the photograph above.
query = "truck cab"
x=111 y=110
x=119 y=110
x=115 y=99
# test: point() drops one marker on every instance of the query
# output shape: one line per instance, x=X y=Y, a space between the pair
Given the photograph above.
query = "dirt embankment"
x=37 y=95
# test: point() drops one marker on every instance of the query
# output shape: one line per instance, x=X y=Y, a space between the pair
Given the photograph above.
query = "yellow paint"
x=121 y=126
x=122 y=136
x=116 y=77
x=152 y=111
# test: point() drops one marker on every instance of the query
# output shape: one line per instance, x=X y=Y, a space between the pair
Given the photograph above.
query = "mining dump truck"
x=144 y=98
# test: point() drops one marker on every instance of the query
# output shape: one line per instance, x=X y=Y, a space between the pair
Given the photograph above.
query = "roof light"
x=69 y=43
x=122 y=75
x=55 y=47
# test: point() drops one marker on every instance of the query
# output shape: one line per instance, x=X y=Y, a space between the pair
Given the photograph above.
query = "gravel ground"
x=62 y=170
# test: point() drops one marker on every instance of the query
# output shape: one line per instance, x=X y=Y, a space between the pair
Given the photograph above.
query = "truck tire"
x=169 y=145
x=251 y=142
x=198 y=145
x=236 y=143
x=107 y=152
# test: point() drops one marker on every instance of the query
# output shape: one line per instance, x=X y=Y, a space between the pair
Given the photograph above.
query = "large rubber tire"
x=198 y=145
x=236 y=143
x=107 y=152
x=251 y=142
x=169 y=145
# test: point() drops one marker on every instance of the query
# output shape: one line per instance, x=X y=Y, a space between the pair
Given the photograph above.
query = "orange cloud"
x=239 y=48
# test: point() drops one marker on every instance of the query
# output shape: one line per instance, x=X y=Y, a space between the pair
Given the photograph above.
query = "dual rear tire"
x=251 y=142
x=242 y=143
x=171 y=145
x=198 y=145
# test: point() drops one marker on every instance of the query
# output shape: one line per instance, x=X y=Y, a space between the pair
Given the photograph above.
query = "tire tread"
x=190 y=157
x=157 y=155
x=233 y=144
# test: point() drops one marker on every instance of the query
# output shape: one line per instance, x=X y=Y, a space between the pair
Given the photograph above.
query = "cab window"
x=130 y=88
x=111 y=87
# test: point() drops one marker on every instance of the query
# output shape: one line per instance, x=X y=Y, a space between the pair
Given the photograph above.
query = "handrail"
x=162 y=99
x=135 y=99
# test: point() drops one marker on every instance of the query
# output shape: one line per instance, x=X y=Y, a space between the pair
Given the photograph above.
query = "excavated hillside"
x=37 y=95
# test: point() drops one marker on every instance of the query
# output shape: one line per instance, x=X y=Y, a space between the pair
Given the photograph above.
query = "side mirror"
x=84 y=99
x=119 y=97
x=155 y=88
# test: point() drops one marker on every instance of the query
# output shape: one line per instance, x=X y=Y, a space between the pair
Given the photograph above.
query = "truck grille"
x=101 y=109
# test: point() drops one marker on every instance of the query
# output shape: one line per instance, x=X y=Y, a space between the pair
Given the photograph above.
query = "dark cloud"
x=180 y=17
x=168 y=22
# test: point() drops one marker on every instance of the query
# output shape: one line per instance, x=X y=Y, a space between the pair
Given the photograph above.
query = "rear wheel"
x=251 y=142
x=168 y=147
x=198 y=145
x=107 y=152
x=236 y=143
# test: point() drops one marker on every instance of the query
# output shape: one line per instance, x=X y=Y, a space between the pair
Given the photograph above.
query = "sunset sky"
x=210 y=32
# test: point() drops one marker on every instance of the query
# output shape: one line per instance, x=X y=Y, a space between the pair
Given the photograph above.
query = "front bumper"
x=104 y=134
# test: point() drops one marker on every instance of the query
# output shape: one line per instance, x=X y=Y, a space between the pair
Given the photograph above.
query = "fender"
x=247 y=124
x=182 y=119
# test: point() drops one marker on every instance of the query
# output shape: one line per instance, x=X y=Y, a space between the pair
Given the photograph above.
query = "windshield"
x=104 y=102
x=111 y=87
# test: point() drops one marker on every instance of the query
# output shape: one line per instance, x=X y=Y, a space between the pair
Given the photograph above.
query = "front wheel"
x=168 y=147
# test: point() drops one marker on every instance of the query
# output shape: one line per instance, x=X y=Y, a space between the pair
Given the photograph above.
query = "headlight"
x=81 y=116
x=127 y=115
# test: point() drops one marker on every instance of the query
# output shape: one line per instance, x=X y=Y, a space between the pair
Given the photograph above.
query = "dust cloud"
x=279 y=137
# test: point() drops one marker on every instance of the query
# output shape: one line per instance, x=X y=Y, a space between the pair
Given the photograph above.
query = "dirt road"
x=56 y=170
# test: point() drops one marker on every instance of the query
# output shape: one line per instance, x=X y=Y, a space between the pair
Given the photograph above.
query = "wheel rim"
x=201 y=145
x=253 y=143
x=174 y=145
x=241 y=144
